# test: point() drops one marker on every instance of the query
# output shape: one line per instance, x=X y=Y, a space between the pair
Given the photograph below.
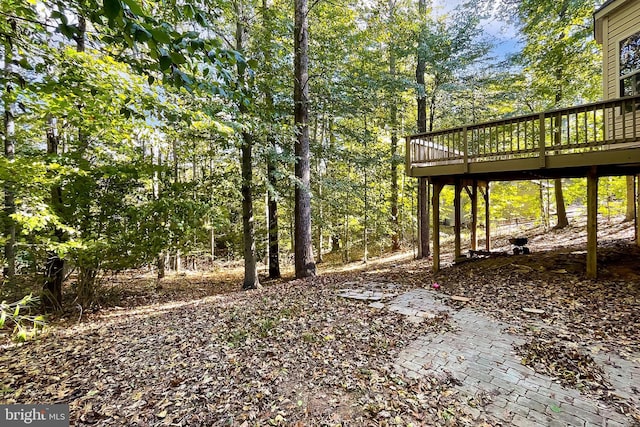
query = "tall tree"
x=250 y=258
x=561 y=57
x=272 y=201
x=304 y=263
x=393 y=122
x=421 y=101
x=8 y=100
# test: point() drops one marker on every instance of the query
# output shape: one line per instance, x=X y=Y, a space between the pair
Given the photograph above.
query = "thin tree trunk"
x=395 y=161
x=421 y=66
x=272 y=203
x=366 y=199
x=543 y=214
x=345 y=246
x=274 y=242
x=250 y=258
x=54 y=265
x=161 y=258
x=9 y=152
x=304 y=264
x=561 y=212
x=631 y=202
x=423 y=185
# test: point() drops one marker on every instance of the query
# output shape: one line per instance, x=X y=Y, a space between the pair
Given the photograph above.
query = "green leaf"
x=555 y=408
x=177 y=58
x=165 y=62
x=134 y=7
x=25 y=64
x=141 y=34
x=160 y=35
x=112 y=8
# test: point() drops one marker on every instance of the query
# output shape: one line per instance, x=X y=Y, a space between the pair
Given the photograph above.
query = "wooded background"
x=134 y=130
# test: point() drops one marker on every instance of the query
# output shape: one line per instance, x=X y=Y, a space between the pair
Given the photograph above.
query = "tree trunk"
x=272 y=203
x=157 y=179
x=395 y=161
x=561 y=212
x=421 y=100
x=160 y=265
x=9 y=152
x=335 y=243
x=365 y=236
x=54 y=265
x=421 y=96
x=304 y=264
x=274 y=243
x=320 y=222
x=345 y=245
x=250 y=258
x=631 y=201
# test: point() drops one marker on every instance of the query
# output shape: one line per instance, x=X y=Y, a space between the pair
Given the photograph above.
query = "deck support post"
x=474 y=215
x=423 y=218
x=437 y=188
x=592 y=223
x=457 y=220
x=487 y=217
x=637 y=199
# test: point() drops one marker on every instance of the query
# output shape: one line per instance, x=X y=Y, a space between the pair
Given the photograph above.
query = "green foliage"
x=560 y=54
x=25 y=326
x=148 y=126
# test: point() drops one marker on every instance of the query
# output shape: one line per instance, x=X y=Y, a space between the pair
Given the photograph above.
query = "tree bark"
x=631 y=201
x=421 y=101
x=421 y=67
x=395 y=161
x=272 y=202
x=161 y=262
x=365 y=235
x=54 y=265
x=9 y=152
x=250 y=259
x=274 y=243
x=304 y=264
x=561 y=212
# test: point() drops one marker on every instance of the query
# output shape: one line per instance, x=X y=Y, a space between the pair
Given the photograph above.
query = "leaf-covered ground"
x=289 y=354
x=196 y=352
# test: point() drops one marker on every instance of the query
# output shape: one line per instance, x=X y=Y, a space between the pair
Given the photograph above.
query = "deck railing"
x=602 y=125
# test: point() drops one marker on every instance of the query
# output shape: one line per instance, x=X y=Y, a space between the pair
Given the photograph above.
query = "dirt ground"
x=195 y=350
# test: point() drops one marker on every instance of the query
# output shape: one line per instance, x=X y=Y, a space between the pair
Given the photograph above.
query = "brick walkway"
x=480 y=356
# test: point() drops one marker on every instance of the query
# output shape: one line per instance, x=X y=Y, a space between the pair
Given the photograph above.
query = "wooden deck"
x=592 y=140
x=559 y=143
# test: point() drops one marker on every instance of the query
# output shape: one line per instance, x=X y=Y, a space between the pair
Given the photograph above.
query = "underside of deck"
x=619 y=162
x=592 y=141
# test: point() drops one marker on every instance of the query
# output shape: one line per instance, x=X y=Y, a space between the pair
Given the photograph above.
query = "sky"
x=503 y=35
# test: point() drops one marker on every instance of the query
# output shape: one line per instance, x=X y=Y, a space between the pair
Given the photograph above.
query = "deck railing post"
x=465 y=144
x=542 y=142
x=407 y=156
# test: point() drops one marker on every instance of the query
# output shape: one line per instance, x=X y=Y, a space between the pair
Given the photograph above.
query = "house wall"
x=620 y=23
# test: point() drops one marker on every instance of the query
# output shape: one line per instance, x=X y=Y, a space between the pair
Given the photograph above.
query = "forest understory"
x=195 y=350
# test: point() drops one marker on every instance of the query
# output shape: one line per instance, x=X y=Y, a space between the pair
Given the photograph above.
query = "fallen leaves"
x=299 y=354
x=290 y=353
x=571 y=367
